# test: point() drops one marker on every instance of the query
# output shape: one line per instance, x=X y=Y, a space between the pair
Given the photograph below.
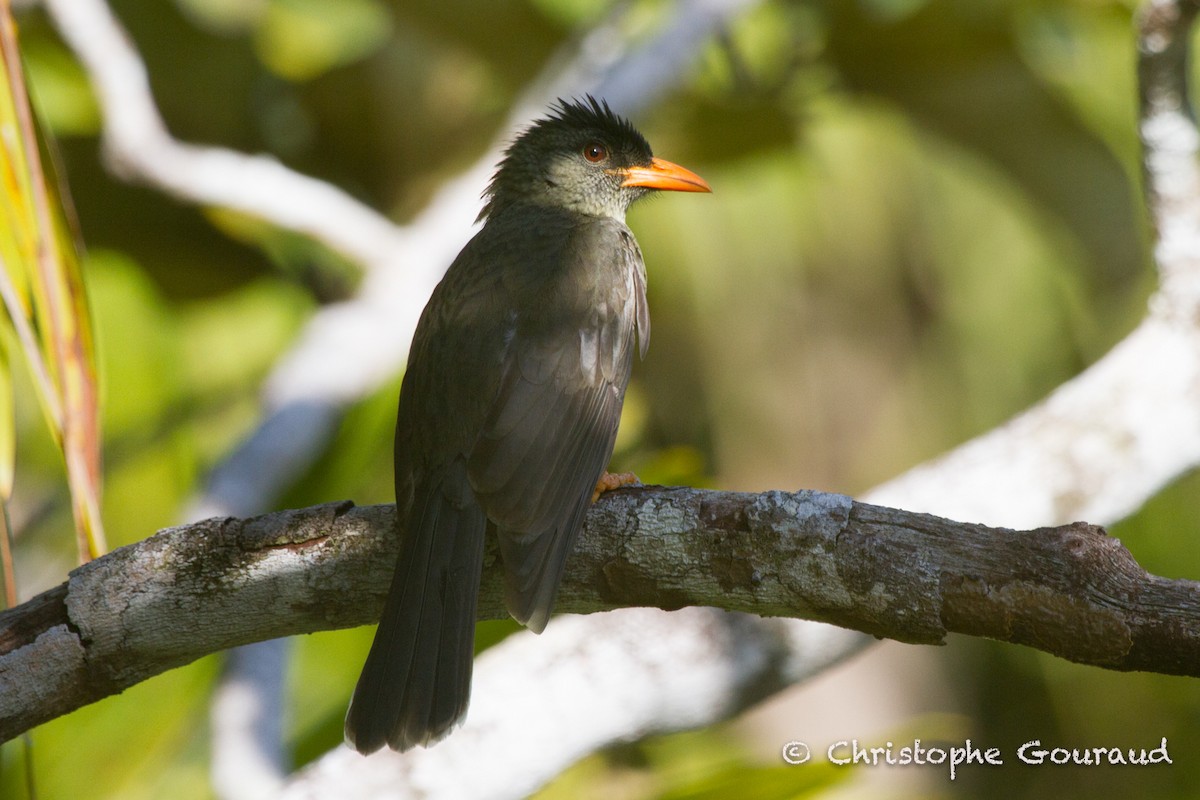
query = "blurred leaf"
x=678 y=465
x=229 y=344
x=8 y=434
x=706 y=765
x=753 y=782
x=692 y=765
x=42 y=287
x=139 y=347
x=890 y=10
x=573 y=12
x=1081 y=52
x=328 y=274
x=8 y=455
x=147 y=743
x=224 y=16
x=300 y=39
x=962 y=69
x=65 y=101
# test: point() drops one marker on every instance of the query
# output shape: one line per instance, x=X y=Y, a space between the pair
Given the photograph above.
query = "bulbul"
x=509 y=407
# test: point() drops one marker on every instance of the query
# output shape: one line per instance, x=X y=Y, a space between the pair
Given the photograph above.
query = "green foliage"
x=300 y=39
x=45 y=300
x=181 y=383
x=697 y=765
x=925 y=217
x=148 y=742
x=64 y=96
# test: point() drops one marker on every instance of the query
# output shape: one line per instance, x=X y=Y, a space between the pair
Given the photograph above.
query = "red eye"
x=595 y=152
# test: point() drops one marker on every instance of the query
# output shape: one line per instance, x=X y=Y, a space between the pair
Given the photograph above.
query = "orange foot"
x=609 y=481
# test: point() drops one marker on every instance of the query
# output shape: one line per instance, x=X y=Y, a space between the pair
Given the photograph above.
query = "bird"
x=509 y=407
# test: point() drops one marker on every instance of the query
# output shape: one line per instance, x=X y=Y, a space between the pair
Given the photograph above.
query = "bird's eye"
x=595 y=152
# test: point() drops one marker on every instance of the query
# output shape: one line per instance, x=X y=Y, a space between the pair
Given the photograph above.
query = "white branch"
x=139 y=148
x=540 y=703
x=1097 y=448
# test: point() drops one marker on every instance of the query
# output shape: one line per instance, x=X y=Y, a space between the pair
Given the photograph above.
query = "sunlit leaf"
x=300 y=39
x=7 y=460
x=65 y=101
x=224 y=16
x=8 y=433
x=42 y=287
x=7 y=572
x=573 y=12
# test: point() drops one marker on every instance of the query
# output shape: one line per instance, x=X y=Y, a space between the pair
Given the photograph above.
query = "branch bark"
x=196 y=589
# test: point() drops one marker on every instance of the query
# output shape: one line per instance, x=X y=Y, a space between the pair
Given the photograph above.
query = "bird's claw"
x=614 y=480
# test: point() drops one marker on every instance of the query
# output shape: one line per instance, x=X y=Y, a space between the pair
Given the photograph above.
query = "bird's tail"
x=416 y=682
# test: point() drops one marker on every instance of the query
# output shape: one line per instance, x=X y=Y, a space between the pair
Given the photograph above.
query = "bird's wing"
x=551 y=427
x=454 y=367
x=416 y=681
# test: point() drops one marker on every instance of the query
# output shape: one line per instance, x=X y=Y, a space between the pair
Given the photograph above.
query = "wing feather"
x=551 y=427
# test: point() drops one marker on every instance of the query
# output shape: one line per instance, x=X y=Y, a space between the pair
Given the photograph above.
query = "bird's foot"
x=614 y=480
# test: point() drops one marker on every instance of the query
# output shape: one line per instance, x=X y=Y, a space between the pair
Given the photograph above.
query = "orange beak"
x=662 y=174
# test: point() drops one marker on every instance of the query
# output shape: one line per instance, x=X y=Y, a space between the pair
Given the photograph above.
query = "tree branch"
x=139 y=148
x=197 y=589
x=543 y=702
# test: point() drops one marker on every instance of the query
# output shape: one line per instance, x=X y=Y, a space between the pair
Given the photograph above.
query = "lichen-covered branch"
x=196 y=589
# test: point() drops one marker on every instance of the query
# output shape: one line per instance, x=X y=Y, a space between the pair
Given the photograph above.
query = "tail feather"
x=416 y=682
x=534 y=566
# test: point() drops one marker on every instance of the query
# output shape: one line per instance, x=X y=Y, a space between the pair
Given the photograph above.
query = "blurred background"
x=926 y=215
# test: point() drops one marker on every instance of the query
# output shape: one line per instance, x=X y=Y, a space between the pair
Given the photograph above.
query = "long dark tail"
x=417 y=679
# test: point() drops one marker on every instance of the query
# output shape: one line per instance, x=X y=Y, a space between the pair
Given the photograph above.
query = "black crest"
x=567 y=121
x=595 y=115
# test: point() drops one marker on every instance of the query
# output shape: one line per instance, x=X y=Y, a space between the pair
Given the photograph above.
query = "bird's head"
x=586 y=159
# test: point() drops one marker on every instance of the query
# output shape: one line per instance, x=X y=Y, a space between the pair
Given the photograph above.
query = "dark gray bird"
x=509 y=407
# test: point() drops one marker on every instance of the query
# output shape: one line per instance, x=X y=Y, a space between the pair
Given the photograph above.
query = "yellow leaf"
x=8 y=433
x=42 y=287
